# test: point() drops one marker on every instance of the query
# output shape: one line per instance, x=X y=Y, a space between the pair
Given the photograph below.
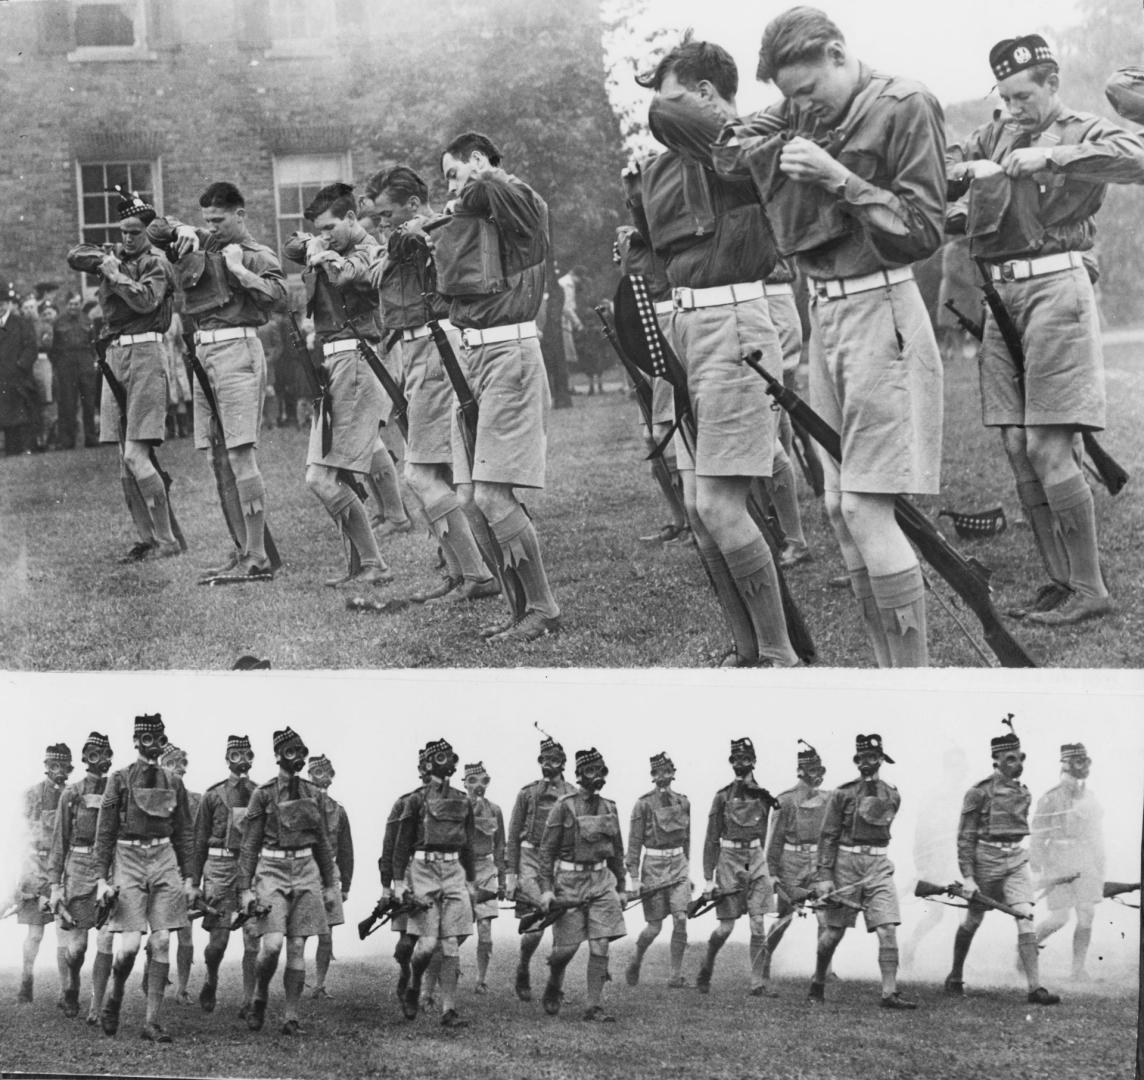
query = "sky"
x=371 y=723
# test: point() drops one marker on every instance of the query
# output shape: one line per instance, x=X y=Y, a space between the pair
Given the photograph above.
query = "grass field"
x=659 y=1033
x=66 y=605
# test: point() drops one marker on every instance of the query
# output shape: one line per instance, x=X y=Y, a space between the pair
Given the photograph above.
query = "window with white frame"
x=109 y=31
x=98 y=219
x=301 y=27
x=297 y=179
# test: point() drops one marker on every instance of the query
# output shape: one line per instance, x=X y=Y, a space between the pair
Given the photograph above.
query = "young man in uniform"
x=1031 y=185
x=144 y=835
x=582 y=862
x=73 y=876
x=407 y=280
x=137 y=296
x=851 y=169
x=174 y=760
x=41 y=804
x=218 y=842
x=229 y=293
x=792 y=846
x=529 y=816
x=734 y=867
x=435 y=845
x=491 y=266
x=718 y=249
x=1068 y=839
x=286 y=864
x=322 y=774
x=343 y=304
x=488 y=862
x=853 y=872
x=993 y=861
x=659 y=849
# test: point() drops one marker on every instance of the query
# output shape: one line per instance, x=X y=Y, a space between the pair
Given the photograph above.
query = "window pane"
x=91 y=177
x=117 y=174
x=105 y=25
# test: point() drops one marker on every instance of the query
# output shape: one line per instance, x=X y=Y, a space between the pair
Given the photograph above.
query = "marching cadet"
x=582 y=866
x=1032 y=183
x=410 y=303
x=659 y=847
x=1068 y=842
x=136 y=296
x=73 y=875
x=488 y=863
x=174 y=760
x=734 y=869
x=993 y=861
x=491 y=266
x=854 y=873
x=144 y=835
x=526 y=826
x=230 y=290
x=343 y=303
x=792 y=846
x=322 y=774
x=33 y=897
x=435 y=845
x=218 y=842
x=286 y=865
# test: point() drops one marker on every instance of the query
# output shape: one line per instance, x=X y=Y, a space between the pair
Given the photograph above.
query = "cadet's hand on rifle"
x=546 y=901
x=102 y=890
x=823 y=888
x=808 y=163
x=386 y=894
x=633 y=891
x=510 y=886
x=708 y=890
x=191 y=891
x=330 y=895
x=247 y=898
x=186 y=239
x=1032 y=159
x=56 y=897
x=969 y=885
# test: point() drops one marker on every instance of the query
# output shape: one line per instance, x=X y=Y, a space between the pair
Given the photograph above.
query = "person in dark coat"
x=17 y=355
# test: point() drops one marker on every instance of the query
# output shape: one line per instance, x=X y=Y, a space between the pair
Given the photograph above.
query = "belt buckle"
x=683 y=298
x=1009 y=271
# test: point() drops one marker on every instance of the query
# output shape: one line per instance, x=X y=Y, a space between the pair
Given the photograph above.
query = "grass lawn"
x=65 y=604
x=659 y=1033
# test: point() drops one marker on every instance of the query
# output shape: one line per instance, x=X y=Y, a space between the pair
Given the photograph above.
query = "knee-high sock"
x=888 y=966
x=100 y=973
x=267 y=965
x=734 y=610
x=484 y=955
x=714 y=943
x=597 y=976
x=137 y=507
x=1029 y=956
x=252 y=498
x=1031 y=496
x=249 y=974
x=758 y=955
x=154 y=494
x=184 y=957
x=678 y=948
x=961 y=942
x=322 y=957
x=871 y=617
x=451 y=527
x=557 y=965
x=1082 y=937
x=901 y=604
x=643 y=943
x=433 y=971
x=355 y=522
x=447 y=977
x=512 y=588
x=75 y=960
x=293 y=981
x=1075 y=516
x=784 y=497
x=386 y=489
x=120 y=971
x=403 y=950
x=156 y=988
x=212 y=957
x=63 y=966
x=753 y=570
x=521 y=547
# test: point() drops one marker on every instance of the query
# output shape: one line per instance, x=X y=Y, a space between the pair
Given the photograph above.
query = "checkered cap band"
x=809 y=756
x=284 y=738
x=132 y=204
x=96 y=741
x=441 y=746
x=149 y=724
x=1071 y=751
x=477 y=768
x=591 y=756
x=662 y=761
x=319 y=762
x=1016 y=54
x=1004 y=743
x=171 y=753
x=743 y=746
x=549 y=745
x=871 y=744
x=58 y=752
x=237 y=742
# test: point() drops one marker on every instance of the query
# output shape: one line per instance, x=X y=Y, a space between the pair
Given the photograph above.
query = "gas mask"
x=1078 y=768
x=742 y=765
x=239 y=761
x=443 y=764
x=97 y=760
x=868 y=764
x=476 y=786
x=812 y=775
x=1010 y=764
x=322 y=778
x=551 y=765
x=663 y=777
x=57 y=772
x=292 y=758
x=592 y=777
x=150 y=746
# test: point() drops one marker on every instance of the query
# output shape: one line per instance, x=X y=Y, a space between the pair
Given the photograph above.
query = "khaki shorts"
x=35 y=879
x=602 y=918
x=356 y=398
x=1064 y=364
x=80 y=876
x=528 y=881
x=797 y=869
x=744 y=869
x=236 y=371
x=293 y=890
x=151 y=893
x=784 y=314
x=393 y=362
x=1003 y=875
x=511 y=387
x=662 y=402
x=431 y=401
x=220 y=890
x=486 y=878
x=143 y=372
x=451 y=911
x=867 y=880
x=736 y=427
x=335 y=911
x=876 y=378
x=1086 y=889
x=665 y=870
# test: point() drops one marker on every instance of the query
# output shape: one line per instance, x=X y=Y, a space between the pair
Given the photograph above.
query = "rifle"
x=1048 y=884
x=385 y=910
x=967 y=577
x=317 y=381
x=973 y=329
x=1118 y=888
x=200 y=908
x=388 y=382
x=644 y=894
x=1111 y=473
x=253 y=910
x=702 y=904
x=10 y=910
x=105 y=906
x=225 y=483
x=926 y=889
x=61 y=912
x=119 y=392
x=539 y=920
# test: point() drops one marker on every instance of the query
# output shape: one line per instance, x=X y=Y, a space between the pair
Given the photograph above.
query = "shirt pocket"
x=300 y=815
x=670 y=818
x=876 y=811
x=156 y=803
